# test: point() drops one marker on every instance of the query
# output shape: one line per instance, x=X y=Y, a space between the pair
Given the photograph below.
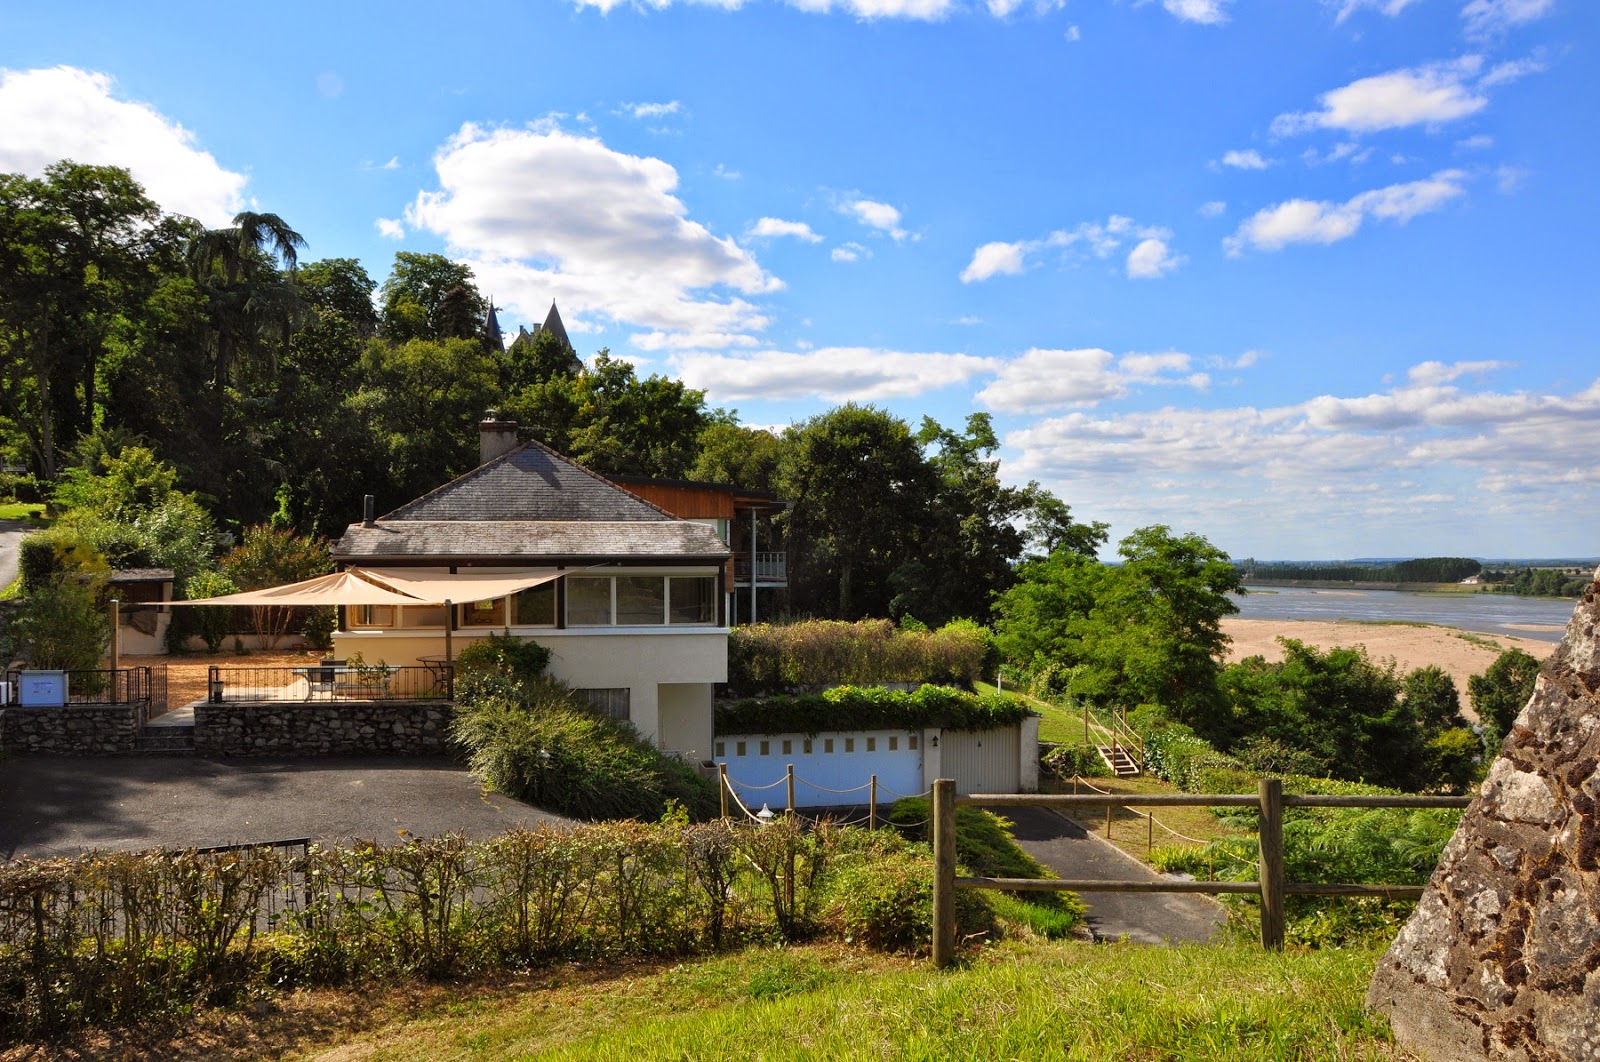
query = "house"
x=631 y=601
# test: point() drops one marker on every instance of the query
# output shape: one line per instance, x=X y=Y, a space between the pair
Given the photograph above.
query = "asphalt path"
x=11 y=534
x=1074 y=853
x=56 y=806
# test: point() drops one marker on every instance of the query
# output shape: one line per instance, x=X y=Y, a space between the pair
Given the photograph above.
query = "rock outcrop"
x=1501 y=959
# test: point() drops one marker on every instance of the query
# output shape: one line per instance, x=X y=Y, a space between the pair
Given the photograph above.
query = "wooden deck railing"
x=1271 y=887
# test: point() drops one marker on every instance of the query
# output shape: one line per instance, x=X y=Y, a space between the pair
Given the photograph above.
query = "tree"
x=861 y=491
x=252 y=304
x=427 y=296
x=59 y=626
x=1433 y=698
x=1501 y=692
x=739 y=456
x=1050 y=526
x=533 y=358
x=269 y=557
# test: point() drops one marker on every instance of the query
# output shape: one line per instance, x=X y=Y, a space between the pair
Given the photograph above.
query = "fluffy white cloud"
x=390 y=228
x=1205 y=12
x=67 y=113
x=1485 y=18
x=1388 y=7
x=1152 y=259
x=1041 y=379
x=922 y=10
x=1430 y=95
x=1215 y=208
x=1308 y=221
x=875 y=215
x=834 y=374
x=849 y=252
x=994 y=258
x=651 y=110
x=776 y=227
x=540 y=213
x=1245 y=160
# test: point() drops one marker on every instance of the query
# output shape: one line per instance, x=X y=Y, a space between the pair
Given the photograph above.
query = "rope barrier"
x=741 y=803
x=769 y=785
x=925 y=794
x=1079 y=779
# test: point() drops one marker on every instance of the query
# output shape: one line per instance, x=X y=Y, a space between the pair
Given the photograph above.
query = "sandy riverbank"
x=1460 y=653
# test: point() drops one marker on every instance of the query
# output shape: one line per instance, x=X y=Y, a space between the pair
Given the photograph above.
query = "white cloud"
x=67 y=113
x=1213 y=209
x=1430 y=95
x=651 y=110
x=849 y=252
x=775 y=227
x=1308 y=221
x=921 y=10
x=1074 y=33
x=1486 y=18
x=1245 y=160
x=834 y=374
x=1511 y=70
x=540 y=213
x=390 y=228
x=1041 y=379
x=1346 y=150
x=994 y=258
x=880 y=216
x=1508 y=179
x=1152 y=259
x=726 y=174
x=1476 y=143
x=1387 y=7
x=1205 y=12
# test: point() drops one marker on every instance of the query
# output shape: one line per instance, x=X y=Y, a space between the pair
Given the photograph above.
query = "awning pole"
x=449 y=654
x=116 y=637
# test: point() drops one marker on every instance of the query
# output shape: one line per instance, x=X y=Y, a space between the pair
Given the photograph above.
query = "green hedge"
x=868 y=708
x=812 y=654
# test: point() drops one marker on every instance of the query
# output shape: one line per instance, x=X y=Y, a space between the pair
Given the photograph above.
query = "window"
x=911 y=742
x=612 y=703
x=588 y=602
x=722 y=749
x=805 y=746
x=694 y=599
x=423 y=616
x=536 y=606
x=641 y=600
x=738 y=748
x=766 y=748
x=827 y=745
x=788 y=747
x=872 y=744
x=894 y=744
x=374 y=615
x=490 y=613
x=849 y=744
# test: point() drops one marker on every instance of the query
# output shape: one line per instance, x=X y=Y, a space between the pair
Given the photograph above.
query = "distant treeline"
x=1538 y=582
x=1420 y=570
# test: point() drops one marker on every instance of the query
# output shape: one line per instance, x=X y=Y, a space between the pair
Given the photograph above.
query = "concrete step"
x=166 y=740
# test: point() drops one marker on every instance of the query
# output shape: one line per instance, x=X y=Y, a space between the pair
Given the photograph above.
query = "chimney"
x=368 y=508
x=495 y=437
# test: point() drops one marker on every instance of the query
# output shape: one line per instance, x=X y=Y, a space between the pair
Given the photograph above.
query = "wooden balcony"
x=771 y=569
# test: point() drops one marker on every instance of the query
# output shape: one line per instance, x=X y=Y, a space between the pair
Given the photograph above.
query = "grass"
x=1059 y=1000
x=1056 y=723
x=1132 y=832
x=31 y=511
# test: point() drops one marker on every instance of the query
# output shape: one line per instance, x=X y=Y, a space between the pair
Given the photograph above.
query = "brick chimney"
x=495 y=437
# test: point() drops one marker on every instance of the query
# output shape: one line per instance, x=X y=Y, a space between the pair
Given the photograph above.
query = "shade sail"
x=435 y=588
x=340 y=588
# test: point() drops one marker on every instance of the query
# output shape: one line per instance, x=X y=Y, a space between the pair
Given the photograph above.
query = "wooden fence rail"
x=1270 y=886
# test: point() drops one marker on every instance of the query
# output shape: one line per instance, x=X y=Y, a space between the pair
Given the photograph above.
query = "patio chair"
x=323 y=679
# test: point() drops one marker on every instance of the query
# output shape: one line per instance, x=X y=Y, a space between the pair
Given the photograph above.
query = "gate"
x=982 y=761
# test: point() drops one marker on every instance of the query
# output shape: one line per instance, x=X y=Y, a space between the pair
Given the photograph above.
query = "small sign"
x=42 y=689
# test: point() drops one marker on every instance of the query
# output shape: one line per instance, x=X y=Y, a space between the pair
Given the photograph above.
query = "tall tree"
x=252 y=302
x=427 y=296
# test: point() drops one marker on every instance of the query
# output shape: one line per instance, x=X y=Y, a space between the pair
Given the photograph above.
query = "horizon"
x=1305 y=277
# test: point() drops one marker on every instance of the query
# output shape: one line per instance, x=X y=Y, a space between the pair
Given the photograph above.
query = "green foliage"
x=318 y=627
x=1069 y=761
x=868 y=708
x=430 y=297
x=1432 y=697
x=550 y=751
x=1500 y=693
x=517 y=659
x=764 y=657
x=887 y=904
x=211 y=622
x=1419 y=570
x=1539 y=582
x=60 y=627
x=268 y=556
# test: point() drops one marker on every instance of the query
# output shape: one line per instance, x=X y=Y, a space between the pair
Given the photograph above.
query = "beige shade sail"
x=435 y=588
x=340 y=588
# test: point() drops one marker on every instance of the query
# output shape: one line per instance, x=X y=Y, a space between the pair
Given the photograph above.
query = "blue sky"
x=1315 y=278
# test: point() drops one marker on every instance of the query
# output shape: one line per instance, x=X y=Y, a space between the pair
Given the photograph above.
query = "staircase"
x=1119 y=759
x=168 y=734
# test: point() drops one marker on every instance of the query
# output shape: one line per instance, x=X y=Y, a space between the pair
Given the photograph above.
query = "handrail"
x=1270 y=886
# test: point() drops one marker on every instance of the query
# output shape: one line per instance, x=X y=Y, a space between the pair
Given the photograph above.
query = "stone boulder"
x=1501 y=959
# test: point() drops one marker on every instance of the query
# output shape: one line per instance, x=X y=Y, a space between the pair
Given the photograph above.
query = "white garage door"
x=830 y=769
x=982 y=761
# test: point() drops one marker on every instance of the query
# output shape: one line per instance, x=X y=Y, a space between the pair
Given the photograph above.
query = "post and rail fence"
x=1271 y=888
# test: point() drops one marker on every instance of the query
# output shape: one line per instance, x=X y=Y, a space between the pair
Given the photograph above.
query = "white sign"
x=42 y=689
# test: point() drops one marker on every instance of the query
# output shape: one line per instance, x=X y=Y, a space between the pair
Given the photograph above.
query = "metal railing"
x=89 y=686
x=333 y=682
x=1271 y=887
x=769 y=567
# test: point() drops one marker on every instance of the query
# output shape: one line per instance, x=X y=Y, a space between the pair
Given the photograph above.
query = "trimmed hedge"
x=868 y=708
x=814 y=654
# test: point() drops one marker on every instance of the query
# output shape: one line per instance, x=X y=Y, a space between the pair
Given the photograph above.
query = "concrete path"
x=11 y=535
x=1149 y=918
x=52 y=806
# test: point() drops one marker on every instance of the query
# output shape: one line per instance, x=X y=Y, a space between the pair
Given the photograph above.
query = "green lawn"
x=30 y=511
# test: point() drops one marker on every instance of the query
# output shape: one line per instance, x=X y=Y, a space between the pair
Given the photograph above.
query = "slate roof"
x=531 y=504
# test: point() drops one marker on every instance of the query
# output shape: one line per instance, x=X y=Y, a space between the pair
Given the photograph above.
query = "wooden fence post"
x=944 y=872
x=722 y=787
x=1271 y=870
x=872 y=805
x=789 y=777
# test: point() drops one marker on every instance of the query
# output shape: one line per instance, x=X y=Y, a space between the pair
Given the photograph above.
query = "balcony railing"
x=770 y=568
x=329 y=682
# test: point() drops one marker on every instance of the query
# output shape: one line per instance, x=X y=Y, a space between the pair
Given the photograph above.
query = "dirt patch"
x=187 y=675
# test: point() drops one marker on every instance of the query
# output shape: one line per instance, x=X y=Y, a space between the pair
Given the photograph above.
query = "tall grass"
x=814 y=654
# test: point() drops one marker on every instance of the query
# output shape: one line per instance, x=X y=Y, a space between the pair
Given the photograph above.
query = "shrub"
x=814 y=654
x=868 y=708
x=1068 y=761
x=888 y=904
x=211 y=622
x=517 y=659
x=59 y=626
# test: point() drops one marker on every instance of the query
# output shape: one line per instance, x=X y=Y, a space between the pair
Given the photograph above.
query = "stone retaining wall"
x=322 y=728
x=71 y=730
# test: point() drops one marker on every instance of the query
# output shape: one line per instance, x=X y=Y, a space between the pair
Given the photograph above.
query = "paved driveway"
x=53 y=806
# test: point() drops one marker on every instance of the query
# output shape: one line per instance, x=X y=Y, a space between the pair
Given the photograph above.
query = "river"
x=1524 y=617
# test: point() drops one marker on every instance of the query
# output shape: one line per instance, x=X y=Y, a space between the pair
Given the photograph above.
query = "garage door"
x=982 y=761
x=830 y=769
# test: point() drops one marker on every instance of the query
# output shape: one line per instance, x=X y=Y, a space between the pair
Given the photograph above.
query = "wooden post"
x=1271 y=870
x=449 y=651
x=722 y=787
x=1108 y=822
x=944 y=872
x=872 y=805
x=116 y=641
x=1150 y=833
x=789 y=778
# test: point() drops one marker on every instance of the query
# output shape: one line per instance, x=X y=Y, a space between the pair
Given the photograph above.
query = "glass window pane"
x=489 y=613
x=536 y=606
x=422 y=616
x=641 y=600
x=694 y=599
x=588 y=601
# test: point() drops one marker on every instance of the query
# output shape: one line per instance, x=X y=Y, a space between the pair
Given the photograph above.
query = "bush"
x=1069 y=761
x=551 y=752
x=814 y=654
x=59 y=626
x=319 y=625
x=887 y=904
x=868 y=708
x=211 y=622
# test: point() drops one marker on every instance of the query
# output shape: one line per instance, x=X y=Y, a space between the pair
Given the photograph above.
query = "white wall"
x=849 y=765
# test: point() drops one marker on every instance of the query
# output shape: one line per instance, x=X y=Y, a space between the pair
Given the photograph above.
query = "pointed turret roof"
x=553 y=325
x=491 y=328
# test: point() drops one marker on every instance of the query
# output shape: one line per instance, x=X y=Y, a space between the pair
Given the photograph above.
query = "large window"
x=536 y=606
x=641 y=600
x=491 y=613
x=612 y=703
x=373 y=615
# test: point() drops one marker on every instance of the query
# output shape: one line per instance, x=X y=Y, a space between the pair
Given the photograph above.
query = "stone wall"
x=322 y=728
x=70 y=730
x=1501 y=959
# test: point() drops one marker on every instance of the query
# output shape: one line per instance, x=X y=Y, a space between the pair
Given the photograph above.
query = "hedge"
x=868 y=708
x=813 y=654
